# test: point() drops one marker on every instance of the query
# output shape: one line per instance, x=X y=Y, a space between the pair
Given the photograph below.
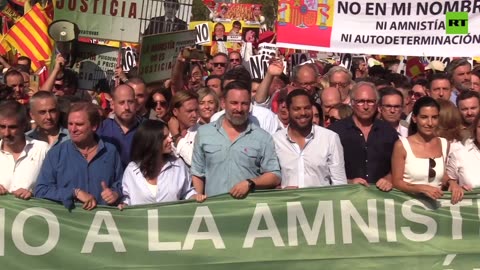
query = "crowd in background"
x=212 y=129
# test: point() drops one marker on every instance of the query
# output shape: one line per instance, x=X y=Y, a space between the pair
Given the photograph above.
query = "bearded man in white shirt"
x=20 y=158
x=309 y=155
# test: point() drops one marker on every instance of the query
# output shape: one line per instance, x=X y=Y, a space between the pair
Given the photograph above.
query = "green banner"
x=347 y=227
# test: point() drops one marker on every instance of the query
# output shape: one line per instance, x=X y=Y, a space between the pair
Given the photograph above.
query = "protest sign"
x=159 y=53
x=129 y=56
x=203 y=33
x=259 y=65
x=228 y=12
x=335 y=227
x=346 y=60
x=107 y=19
x=299 y=58
x=402 y=27
x=95 y=64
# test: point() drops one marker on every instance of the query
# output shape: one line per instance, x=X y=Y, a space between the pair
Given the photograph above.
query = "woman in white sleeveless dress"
x=418 y=161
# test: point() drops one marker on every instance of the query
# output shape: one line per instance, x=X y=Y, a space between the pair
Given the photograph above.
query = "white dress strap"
x=444 y=143
x=407 y=146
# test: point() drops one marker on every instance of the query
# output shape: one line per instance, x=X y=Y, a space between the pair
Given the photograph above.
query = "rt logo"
x=456 y=23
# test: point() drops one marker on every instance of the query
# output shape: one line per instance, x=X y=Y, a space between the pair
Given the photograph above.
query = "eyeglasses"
x=415 y=94
x=431 y=172
x=162 y=103
x=307 y=84
x=235 y=60
x=361 y=102
x=219 y=64
x=390 y=107
x=337 y=84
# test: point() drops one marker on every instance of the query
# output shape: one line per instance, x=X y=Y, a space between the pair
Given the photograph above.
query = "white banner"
x=403 y=27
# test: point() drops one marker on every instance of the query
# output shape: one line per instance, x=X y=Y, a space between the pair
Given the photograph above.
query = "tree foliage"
x=199 y=11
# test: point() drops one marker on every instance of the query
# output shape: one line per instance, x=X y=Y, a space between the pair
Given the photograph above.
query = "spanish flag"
x=30 y=36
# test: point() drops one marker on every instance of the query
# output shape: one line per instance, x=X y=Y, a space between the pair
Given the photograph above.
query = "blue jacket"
x=111 y=132
x=65 y=169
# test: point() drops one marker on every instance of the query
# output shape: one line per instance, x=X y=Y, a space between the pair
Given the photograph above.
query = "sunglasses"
x=219 y=64
x=331 y=119
x=431 y=172
x=162 y=103
x=415 y=94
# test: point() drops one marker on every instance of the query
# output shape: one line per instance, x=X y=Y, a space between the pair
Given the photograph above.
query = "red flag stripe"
x=39 y=47
x=22 y=46
x=42 y=31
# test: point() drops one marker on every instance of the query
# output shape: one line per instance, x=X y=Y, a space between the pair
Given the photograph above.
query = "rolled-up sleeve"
x=198 y=158
x=269 y=162
x=453 y=166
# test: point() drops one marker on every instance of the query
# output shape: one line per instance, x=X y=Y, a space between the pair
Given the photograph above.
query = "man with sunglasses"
x=329 y=98
x=220 y=61
x=367 y=141
x=235 y=59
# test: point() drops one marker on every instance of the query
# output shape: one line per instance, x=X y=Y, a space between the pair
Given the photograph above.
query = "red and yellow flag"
x=30 y=36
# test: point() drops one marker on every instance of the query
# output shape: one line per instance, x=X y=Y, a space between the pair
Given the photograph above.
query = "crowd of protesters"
x=212 y=129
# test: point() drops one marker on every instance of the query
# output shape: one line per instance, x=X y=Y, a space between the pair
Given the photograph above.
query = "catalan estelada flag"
x=29 y=36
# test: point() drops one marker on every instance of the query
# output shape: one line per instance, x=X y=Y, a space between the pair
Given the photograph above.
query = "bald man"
x=329 y=97
x=120 y=129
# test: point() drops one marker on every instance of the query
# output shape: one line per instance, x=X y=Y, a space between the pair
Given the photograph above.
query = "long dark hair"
x=147 y=147
x=419 y=104
x=473 y=130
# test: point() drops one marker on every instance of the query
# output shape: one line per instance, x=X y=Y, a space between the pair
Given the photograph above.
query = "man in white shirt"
x=20 y=158
x=309 y=155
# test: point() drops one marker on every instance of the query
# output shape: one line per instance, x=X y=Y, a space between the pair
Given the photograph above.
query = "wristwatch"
x=251 y=185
